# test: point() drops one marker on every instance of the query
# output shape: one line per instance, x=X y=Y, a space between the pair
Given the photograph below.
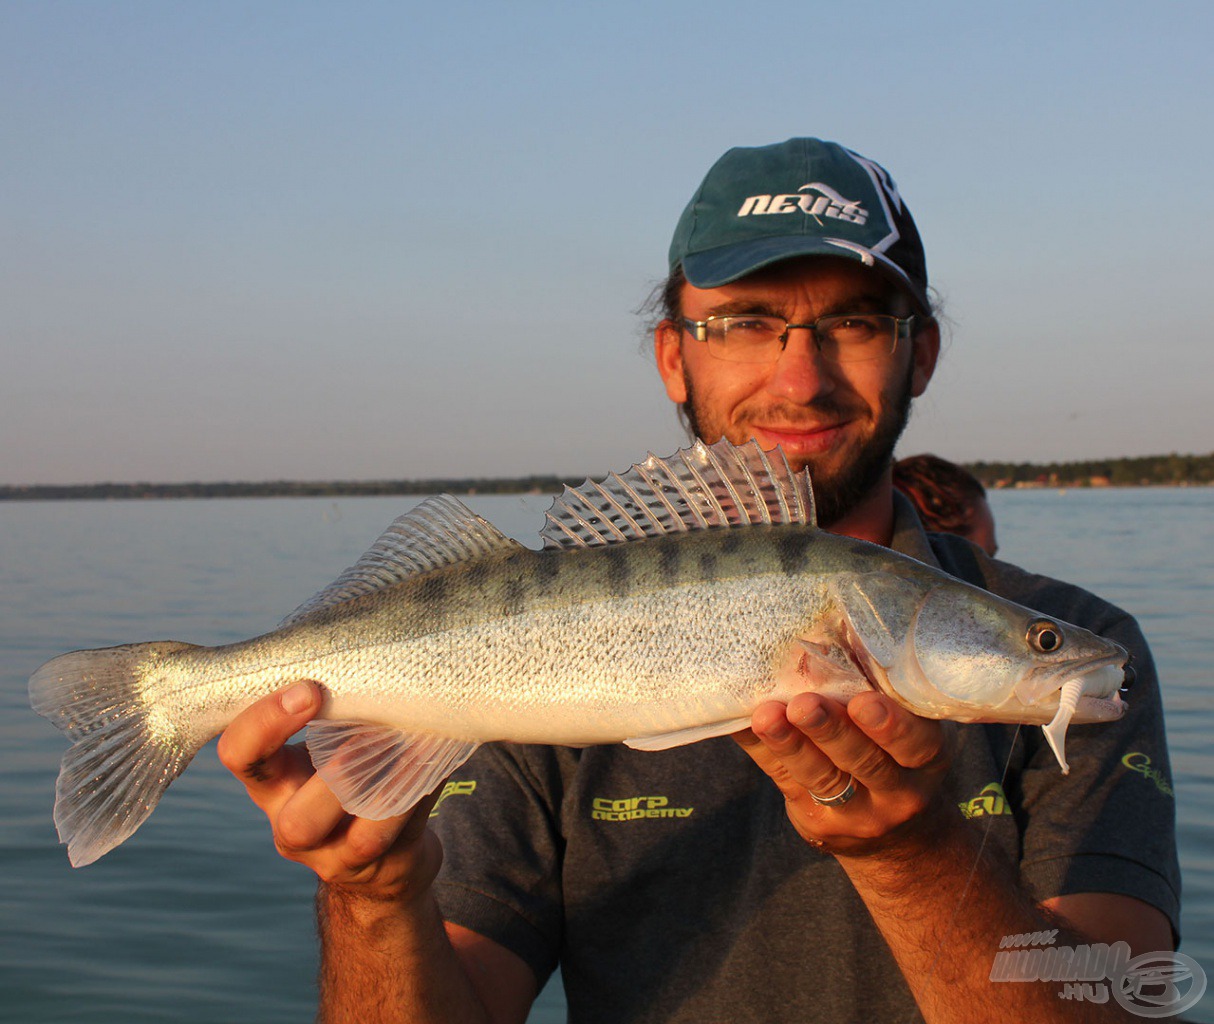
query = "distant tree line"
x=1149 y=470
x=1145 y=471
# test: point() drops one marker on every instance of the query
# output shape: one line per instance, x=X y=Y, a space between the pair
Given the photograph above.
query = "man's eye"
x=854 y=327
x=754 y=325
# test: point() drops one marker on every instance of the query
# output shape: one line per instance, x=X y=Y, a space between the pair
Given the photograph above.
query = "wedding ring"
x=840 y=798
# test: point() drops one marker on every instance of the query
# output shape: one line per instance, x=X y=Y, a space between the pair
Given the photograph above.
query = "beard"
x=839 y=491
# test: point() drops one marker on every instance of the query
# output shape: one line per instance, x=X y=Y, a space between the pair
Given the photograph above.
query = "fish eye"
x=1044 y=636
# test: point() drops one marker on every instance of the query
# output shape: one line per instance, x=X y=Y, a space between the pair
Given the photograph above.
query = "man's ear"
x=924 y=354
x=668 y=351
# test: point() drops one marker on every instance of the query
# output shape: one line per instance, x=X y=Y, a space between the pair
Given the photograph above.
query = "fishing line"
x=986 y=832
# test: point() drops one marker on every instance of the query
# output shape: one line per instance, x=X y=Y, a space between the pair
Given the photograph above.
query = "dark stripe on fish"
x=514 y=595
x=547 y=568
x=791 y=549
x=669 y=560
x=619 y=570
x=435 y=590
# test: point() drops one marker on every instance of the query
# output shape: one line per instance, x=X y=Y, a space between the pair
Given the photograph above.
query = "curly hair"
x=943 y=493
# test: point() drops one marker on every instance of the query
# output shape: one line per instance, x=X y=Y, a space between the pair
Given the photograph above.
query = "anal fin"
x=377 y=771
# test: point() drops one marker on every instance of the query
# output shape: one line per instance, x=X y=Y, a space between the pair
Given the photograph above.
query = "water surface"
x=195 y=919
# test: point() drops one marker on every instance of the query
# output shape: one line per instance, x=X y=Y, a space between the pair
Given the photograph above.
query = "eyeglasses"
x=842 y=338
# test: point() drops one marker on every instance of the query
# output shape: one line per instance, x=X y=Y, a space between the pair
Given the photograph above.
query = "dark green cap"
x=804 y=197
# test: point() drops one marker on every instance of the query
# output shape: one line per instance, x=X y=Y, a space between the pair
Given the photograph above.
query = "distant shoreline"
x=280 y=489
x=1146 y=471
x=136 y=495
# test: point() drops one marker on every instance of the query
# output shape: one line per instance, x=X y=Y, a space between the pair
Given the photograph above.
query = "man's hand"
x=940 y=903
x=896 y=761
x=384 y=860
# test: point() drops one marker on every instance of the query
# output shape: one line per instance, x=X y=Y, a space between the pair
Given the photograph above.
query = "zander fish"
x=666 y=605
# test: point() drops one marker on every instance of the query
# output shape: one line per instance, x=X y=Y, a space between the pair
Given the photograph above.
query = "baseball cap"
x=804 y=197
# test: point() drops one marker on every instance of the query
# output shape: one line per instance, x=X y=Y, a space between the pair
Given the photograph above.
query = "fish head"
x=1008 y=663
x=945 y=649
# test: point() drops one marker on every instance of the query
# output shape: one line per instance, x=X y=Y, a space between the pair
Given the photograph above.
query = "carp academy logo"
x=634 y=808
x=1153 y=985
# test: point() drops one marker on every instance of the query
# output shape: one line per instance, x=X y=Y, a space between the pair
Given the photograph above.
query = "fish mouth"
x=1102 y=676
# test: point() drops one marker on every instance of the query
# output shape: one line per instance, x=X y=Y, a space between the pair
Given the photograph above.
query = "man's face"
x=841 y=420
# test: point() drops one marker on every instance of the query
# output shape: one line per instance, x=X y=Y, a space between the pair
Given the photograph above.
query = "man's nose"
x=801 y=374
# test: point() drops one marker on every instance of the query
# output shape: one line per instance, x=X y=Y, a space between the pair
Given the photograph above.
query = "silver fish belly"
x=669 y=602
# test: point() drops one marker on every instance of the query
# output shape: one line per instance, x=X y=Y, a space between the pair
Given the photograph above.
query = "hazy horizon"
x=594 y=473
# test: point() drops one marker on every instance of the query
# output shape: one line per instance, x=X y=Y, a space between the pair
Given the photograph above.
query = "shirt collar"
x=909 y=537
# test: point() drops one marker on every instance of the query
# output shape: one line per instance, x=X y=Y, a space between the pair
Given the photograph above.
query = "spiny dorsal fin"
x=440 y=531
x=696 y=488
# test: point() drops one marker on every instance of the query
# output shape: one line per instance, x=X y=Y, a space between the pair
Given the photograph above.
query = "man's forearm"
x=383 y=960
x=942 y=908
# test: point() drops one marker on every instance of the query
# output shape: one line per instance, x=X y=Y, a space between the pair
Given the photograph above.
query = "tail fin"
x=123 y=757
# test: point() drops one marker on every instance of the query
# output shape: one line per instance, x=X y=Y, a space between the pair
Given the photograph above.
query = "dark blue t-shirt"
x=670 y=886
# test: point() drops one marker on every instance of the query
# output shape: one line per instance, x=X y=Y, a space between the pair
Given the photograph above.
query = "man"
x=797 y=313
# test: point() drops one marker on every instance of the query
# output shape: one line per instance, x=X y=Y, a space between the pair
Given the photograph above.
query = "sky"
x=363 y=240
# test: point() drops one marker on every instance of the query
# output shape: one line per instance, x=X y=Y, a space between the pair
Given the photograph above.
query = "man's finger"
x=419 y=817
x=365 y=840
x=784 y=750
x=313 y=818
x=307 y=818
x=850 y=753
x=911 y=741
x=253 y=747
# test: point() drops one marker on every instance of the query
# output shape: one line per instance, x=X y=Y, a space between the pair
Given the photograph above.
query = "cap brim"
x=716 y=267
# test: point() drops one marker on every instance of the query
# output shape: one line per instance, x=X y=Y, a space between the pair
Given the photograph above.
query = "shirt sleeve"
x=502 y=850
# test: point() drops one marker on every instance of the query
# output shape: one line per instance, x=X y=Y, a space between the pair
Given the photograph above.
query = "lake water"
x=195 y=919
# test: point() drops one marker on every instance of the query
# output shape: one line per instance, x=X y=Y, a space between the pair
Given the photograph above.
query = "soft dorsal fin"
x=696 y=488
x=440 y=531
